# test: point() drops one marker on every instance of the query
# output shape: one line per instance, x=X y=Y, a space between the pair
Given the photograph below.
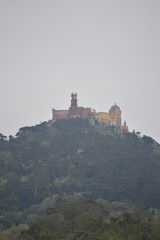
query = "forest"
x=57 y=175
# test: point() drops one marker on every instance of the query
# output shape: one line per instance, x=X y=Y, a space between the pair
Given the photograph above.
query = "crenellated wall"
x=113 y=118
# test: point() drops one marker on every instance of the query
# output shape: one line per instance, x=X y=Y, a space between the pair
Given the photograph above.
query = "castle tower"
x=74 y=100
x=115 y=113
x=125 y=127
x=73 y=110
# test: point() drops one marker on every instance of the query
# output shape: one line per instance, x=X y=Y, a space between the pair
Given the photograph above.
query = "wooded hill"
x=93 y=221
x=71 y=161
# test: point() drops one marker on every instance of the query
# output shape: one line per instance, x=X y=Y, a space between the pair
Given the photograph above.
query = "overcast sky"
x=105 y=50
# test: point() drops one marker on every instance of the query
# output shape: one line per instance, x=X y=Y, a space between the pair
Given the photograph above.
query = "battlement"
x=113 y=118
x=74 y=110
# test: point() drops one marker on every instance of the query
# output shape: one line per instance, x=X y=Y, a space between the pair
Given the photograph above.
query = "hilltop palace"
x=113 y=118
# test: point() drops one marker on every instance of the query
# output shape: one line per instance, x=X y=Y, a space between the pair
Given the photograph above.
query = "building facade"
x=113 y=118
x=74 y=110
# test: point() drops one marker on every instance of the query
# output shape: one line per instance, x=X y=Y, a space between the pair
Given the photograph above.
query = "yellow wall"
x=103 y=115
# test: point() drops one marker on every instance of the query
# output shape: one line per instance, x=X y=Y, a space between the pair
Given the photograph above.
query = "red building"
x=73 y=112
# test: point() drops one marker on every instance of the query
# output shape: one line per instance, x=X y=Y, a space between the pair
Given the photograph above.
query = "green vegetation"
x=90 y=221
x=70 y=162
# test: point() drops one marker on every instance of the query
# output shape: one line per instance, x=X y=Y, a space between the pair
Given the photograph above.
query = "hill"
x=70 y=161
x=92 y=220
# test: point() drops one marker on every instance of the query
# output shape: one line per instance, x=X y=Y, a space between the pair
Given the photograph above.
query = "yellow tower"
x=115 y=113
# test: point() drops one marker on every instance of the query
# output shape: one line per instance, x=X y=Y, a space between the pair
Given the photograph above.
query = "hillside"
x=92 y=220
x=71 y=161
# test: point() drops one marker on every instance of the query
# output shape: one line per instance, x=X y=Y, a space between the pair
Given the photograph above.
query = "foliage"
x=70 y=161
x=90 y=221
x=13 y=233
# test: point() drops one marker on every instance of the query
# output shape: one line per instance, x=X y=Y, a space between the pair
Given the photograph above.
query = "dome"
x=113 y=108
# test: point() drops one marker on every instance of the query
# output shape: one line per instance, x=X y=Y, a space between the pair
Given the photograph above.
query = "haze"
x=106 y=51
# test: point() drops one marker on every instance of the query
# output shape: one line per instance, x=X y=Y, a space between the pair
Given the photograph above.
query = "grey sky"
x=106 y=51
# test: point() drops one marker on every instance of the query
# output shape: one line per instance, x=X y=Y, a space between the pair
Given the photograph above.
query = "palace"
x=73 y=112
x=113 y=118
